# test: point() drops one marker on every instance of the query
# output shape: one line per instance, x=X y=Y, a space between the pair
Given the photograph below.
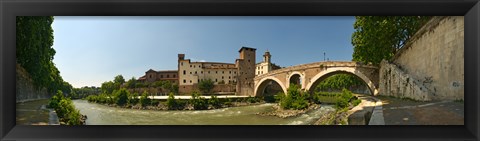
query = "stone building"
x=246 y=68
x=227 y=77
x=152 y=76
x=266 y=65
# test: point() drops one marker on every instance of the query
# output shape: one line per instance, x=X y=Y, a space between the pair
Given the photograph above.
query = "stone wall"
x=397 y=83
x=25 y=89
x=218 y=88
x=434 y=58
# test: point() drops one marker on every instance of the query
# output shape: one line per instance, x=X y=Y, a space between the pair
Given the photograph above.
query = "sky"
x=93 y=49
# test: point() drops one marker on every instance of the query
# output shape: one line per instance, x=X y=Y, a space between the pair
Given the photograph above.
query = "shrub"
x=214 y=101
x=341 y=103
x=121 y=97
x=252 y=99
x=55 y=100
x=172 y=102
x=356 y=102
x=133 y=99
x=295 y=98
x=65 y=109
x=144 y=100
x=198 y=102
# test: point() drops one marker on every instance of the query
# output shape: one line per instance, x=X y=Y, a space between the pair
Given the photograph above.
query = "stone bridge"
x=310 y=75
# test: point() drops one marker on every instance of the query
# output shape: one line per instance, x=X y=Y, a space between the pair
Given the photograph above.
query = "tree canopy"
x=380 y=37
x=339 y=82
x=34 y=40
x=206 y=85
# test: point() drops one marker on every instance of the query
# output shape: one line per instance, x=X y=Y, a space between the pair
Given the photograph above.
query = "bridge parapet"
x=327 y=64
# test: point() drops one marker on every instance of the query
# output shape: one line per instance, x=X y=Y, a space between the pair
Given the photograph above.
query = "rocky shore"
x=188 y=107
x=283 y=113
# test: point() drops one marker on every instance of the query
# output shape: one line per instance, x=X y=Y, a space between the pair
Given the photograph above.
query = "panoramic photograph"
x=240 y=70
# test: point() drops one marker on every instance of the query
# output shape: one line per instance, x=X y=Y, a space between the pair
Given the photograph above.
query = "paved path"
x=407 y=112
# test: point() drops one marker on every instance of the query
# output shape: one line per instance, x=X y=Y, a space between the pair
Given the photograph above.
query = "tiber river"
x=104 y=115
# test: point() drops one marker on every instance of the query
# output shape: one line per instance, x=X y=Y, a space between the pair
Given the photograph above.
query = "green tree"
x=295 y=98
x=199 y=103
x=339 y=82
x=119 y=79
x=34 y=52
x=131 y=83
x=380 y=37
x=171 y=101
x=108 y=87
x=206 y=85
x=121 y=97
x=144 y=99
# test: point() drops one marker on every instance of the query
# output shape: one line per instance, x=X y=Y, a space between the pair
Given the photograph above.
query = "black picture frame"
x=10 y=9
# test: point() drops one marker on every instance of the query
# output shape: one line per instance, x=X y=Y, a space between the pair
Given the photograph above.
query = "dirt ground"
x=408 y=112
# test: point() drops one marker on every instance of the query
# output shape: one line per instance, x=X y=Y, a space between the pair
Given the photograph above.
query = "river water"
x=104 y=115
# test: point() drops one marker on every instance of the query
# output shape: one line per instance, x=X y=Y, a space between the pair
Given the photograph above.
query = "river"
x=104 y=115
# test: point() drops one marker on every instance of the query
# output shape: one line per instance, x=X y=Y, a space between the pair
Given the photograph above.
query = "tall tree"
x=119 y=79
x=34 y=40
x=380 y=37
x=206 y=85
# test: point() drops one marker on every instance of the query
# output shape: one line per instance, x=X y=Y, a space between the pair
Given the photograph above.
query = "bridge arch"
x=338 y=70
x=262 y=84
x=293 y=76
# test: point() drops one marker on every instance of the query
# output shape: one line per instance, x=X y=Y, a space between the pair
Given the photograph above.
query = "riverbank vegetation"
x=297 y=102
x=66 y=111
x=124 y=99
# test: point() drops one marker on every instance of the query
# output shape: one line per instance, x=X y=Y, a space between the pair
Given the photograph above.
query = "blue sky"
x=92 y=50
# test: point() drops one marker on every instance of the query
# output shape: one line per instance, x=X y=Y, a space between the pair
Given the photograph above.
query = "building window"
x=190 y=66
x=168 y=76
x=262 y=72
x=223 y=72
x=216 y=72
x=161 y=76
x=229 y=72
x=258 y=72
x=190 y=72
x=184 y=72
x=216 y=80
x=150 y=76
x=222 y=77
x=201 y=72
x=191 y=80
x=181 y=64
x=208 y=72
x=234 y=72
x=199 y=66
x=184 y=81
x=195 y=72
x=174 y=76
x=248 y=60
x=229 y=77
